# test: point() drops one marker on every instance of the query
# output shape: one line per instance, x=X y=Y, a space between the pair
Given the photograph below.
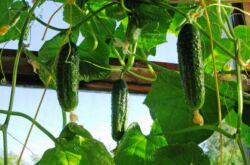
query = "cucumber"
x=67 y=72
x=191 y=67
x=119 y=108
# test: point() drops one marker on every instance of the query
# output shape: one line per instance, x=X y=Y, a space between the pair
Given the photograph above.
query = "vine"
x=215 y=75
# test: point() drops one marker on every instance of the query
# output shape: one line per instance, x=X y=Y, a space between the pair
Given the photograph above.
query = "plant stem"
x=239 y=87
x=39 y=126
x=124 y=7
x=239 y=93
x=19 y=52
x=1 y=65
x=92 y=15
x=18 y=141
x=49 y=26
x=216 y=79
x=32 y=124
x=230 y=7
x=129 y=71
x=14 y=76
x=119 y=57
x=245 y=160
x=150 y=68
x=101 y=67
x=64 y=118
x=218 y=11
x=231 y=30
x=50 y=19
x=131 y=59
x=204 y=127
x=230 y=54
x=5 y=145
x=139 y=76
x=240 y=101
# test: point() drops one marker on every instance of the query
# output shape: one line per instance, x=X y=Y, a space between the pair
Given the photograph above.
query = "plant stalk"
x=39 y=126
x=5 y=145
x=64 y=118
x=204 y=127
x=216 y=79
x=239 y=142
x=32 y=124
x=14 y=76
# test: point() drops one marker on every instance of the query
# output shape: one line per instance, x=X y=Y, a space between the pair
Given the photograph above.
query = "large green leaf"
x=166 y=103
x=221 y=59
x=154 y=22
x=5 y=16
x=72 y=14
x=92 y=59
x=116 y=12
x=79 y=149
x=13 y=15
x=152 y=35
x=243 y=33
x=178 y=19
x=56 y=156
x=181 y=154
x=216 y=28
x=47 y=56
x=98 y=29
x=214 y=20
x=136 y=148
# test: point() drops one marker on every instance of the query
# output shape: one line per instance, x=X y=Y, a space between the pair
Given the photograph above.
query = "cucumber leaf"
x=181 y=154
x=80 y=149
x=243 y=32
x=93 y=60
x=12 y=15
x=72 y=14
x=136 y=148
x=167 y=104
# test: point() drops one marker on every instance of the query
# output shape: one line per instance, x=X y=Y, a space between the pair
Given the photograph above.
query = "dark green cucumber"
x=191 y=66
x=119 y=108
x=67 y=71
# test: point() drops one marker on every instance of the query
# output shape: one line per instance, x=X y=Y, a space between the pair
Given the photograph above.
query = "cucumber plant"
x=187 y=106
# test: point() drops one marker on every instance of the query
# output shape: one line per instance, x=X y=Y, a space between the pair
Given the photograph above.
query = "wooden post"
x=246 y=7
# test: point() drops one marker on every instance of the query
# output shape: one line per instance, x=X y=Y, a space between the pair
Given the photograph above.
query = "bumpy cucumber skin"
x=119 y=108
x=67 y=71
x=191 y=66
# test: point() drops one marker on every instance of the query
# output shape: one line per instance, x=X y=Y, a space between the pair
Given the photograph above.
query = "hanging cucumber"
x=67 y=70
x=119 y=108
x=191 y=69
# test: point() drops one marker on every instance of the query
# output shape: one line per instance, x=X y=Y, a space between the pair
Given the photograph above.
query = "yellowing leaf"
x=247 y=65
x=70 y=2
x=35 y=65
x=4 y=29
